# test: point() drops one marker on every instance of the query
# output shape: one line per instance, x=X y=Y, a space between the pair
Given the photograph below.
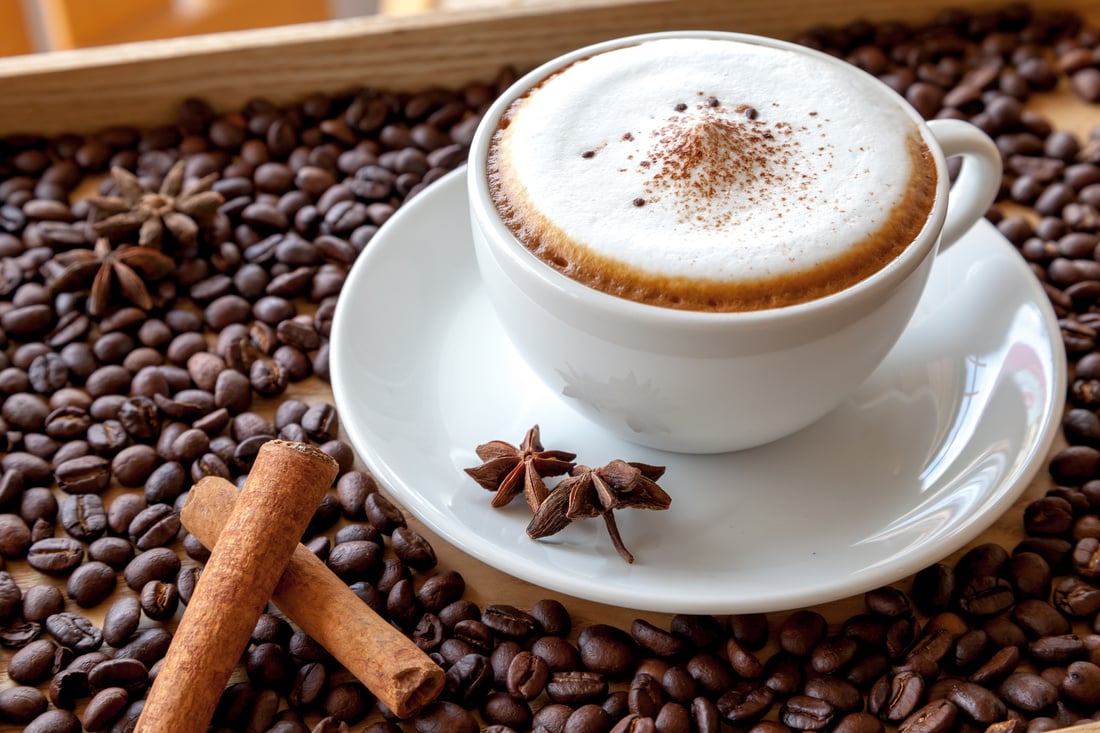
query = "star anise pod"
x=508 y=470
x=599 y=492
x=170 y=212
x=127 y=268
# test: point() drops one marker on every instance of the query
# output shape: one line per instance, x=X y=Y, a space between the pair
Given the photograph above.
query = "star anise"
x=127 y=268
x=599 y=492
x=508 y=470
x=170 y=212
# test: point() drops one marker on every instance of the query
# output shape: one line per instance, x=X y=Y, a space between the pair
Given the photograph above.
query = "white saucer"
x=937 y=444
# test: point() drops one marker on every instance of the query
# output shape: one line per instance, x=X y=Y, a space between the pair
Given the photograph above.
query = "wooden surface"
x=143 y=84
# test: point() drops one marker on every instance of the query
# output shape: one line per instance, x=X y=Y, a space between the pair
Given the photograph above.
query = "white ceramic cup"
x=706 y=382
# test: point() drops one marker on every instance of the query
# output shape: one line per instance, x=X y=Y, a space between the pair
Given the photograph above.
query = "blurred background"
x=31 y=26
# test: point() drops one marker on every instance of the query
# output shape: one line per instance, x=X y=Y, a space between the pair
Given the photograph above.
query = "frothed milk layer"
x=711 y=174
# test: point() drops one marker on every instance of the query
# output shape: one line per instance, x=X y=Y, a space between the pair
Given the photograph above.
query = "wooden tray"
x=143 y=84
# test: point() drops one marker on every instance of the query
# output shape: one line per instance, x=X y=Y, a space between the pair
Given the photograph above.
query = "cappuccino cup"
x=706 y=241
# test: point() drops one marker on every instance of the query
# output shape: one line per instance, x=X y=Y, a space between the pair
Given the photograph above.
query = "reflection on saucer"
x=621 y=396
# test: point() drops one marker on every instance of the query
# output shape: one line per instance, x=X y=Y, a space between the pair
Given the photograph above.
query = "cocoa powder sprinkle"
x=702 y=157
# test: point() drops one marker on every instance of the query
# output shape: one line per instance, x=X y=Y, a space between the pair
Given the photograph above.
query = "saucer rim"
x=1000 y=499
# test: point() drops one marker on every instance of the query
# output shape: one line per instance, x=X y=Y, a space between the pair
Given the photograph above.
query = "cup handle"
x=976 y=187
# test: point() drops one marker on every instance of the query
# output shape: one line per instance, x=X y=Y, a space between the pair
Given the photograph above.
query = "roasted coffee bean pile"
x=106 y=421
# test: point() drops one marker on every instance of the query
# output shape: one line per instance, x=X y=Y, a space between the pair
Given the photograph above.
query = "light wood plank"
x=142 y=83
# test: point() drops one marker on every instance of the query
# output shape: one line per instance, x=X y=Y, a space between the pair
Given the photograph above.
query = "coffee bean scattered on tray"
x=108 y=417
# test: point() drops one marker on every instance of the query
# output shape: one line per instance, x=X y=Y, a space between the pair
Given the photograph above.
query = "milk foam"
x=708 y=159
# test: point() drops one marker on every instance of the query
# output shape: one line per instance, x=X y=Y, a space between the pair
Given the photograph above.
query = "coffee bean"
x=320 y=422
x=527 y=675
x=576 y=688
x=558 y=653
x=998 y=667
x=985 y=595
x=122 y=510
x=505 y=620
x=976 y=702
x=346 y=702
x=745 y=702
x=444 y=717
x=705 y=715
x=655 y=640
x=154 y=526
x=186 y=581
x=1030 y=574
x=801 y=631
x=1060 y=649
x=21 y=704
x=57 y=556
x=971 y=650
x=309 y=682
x=121 y=620
x=104 y=707
x=129 y=674
x=359 y=560
x=83 y=475
x=83 y=517
x=67 y=422
x=1074 y=465
x=41 y=601
x=1039 y=618
x=896 y=697
x=843 y=696
x=91 y=584
x=468 y=680
x=832 y=654
x=35 y=662
x=606 y=649
x=1049 y=515
x=712 y=673
x=859 y=723
x=166 y=483
x=475 y=634
x=440 y=589
x=783 y=674
x=270 y=628
x=268 y=665
x=74 y=631
x=678 y=684
x=158 y=563
x=938 y=716
x=806 y=713
x=15 y=536
x=159 y=600
x=1028 y=692
x=887 y=601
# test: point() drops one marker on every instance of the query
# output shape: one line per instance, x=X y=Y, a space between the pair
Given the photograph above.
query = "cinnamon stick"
x=280 y=495
x=313 y=597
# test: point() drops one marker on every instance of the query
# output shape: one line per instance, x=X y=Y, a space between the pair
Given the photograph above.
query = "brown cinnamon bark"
x=312 y=596
x=279 y=497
